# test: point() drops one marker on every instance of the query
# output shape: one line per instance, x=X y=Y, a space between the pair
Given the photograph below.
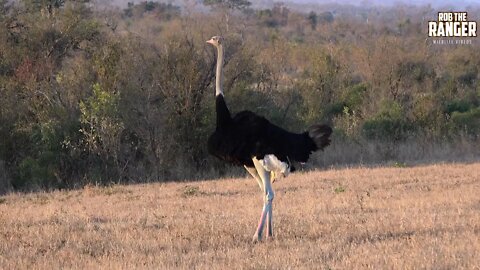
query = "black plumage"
x=246 y=135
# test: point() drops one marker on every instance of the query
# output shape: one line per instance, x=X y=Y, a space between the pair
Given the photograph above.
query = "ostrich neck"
x=219 y=74
x=223 y=114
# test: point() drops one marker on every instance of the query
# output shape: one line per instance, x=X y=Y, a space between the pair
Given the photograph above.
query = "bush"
x=34 y=173
x=457 y=106
x=354 y=95
x=386 y=129
x=468 y=122
x=389 y=125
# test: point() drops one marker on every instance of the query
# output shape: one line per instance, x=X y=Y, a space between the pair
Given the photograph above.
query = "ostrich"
x=264 y=149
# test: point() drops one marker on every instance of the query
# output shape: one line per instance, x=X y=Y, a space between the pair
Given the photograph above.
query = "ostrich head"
x=216 y=41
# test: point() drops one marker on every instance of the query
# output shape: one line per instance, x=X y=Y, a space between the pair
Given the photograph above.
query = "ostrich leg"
x=254 y=174
x=267 y=202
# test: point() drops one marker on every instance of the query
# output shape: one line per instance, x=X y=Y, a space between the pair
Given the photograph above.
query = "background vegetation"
x=102 y=95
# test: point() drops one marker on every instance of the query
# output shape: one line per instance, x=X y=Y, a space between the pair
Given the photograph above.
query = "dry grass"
x=382 y=218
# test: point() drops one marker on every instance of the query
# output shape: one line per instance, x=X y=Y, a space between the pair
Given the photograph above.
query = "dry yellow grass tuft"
x=381 y=218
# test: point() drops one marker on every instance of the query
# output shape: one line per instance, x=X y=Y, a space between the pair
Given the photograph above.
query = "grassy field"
x=378 y=218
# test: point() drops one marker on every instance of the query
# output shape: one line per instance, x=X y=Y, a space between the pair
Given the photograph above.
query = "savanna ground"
x=379 y=218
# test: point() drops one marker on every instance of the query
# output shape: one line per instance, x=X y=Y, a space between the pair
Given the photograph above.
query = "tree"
x=229 y=4
x=225 y=6
x=313 y=19
x=102 y=128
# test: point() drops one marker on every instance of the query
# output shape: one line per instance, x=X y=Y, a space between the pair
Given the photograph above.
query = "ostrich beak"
x=210 y=41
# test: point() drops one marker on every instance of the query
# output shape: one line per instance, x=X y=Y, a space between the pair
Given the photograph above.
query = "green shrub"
x=458 y=106
x=353 y=97
x=389 y=125
x=386 y=129
x=335 y=109
x=468 y=121
x=33 y=174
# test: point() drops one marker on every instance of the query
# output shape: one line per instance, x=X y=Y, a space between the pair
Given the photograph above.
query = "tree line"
x=108 y=95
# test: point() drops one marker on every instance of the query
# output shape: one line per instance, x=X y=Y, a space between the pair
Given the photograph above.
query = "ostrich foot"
x=256 y=239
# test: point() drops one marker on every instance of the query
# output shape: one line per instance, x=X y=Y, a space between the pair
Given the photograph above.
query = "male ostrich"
x=264 y=149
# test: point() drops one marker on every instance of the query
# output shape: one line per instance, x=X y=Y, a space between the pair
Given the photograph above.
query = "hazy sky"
x=391 y=2
x=264 y=3
x=433 y=3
